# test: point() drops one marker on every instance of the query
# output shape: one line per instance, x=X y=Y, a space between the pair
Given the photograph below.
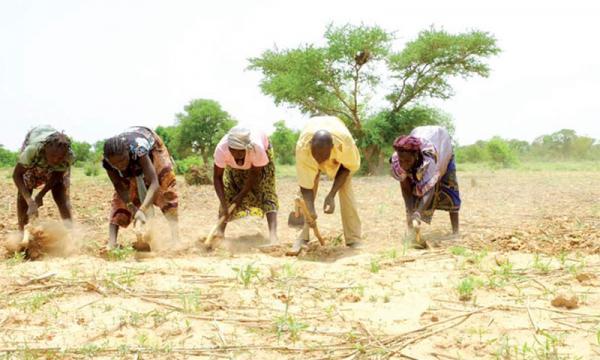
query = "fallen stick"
x=39 y=278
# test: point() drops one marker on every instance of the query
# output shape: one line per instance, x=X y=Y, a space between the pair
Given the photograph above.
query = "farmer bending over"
x=244 y=175
x=45 y=159
x=423 y=162
x=326 y=145
x=141 y=170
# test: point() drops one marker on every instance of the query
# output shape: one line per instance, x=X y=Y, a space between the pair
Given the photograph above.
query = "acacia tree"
x=333 y=79
x=341 y=77
x=200 y=127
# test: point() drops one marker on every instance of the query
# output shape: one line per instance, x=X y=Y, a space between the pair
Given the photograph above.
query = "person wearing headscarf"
x=423 y=163
x=45 y=159
x=142 y=173
x=326 y=146
x=244 y=175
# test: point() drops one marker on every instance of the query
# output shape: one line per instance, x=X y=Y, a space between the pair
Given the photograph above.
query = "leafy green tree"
x=341 y=77
x=381 y=130
x=82 y=151
x=7 y=158
x=284 y=141
x=474 y=153
x=519 y=147
x=202 y=124
x=98 y=151
x=500 y=153
x=333 y=79
x=170 y=136
x=425 y=65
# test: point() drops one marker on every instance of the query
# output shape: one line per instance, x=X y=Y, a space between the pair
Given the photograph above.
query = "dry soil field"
x=529 y=239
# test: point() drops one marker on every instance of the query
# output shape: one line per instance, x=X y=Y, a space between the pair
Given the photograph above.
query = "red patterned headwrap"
x=407 y=143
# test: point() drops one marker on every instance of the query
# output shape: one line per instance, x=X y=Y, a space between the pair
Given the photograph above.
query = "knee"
x=121 y=219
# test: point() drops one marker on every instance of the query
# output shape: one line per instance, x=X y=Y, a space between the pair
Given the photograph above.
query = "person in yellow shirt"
x=325 y=145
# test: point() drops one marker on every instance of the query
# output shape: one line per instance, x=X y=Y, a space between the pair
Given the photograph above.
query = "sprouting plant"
x=542 y=267
x=246 y=273
x=142 y=339
x=34 y=302
x=90 y=350
x=123 y=278
x=458 y=250
x=562 y=257
x=575 y=269
x=505 y=271
x=134 y=319
x=190 y=302
x=120 y=253
x=329 y=310
x=359 y=290
x=287 y=323
x=375 y=266
x=289 y=271
x=337 y=241
x=17 y=258
x=466 y=287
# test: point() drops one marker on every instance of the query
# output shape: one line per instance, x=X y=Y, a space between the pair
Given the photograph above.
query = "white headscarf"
x=238 y=138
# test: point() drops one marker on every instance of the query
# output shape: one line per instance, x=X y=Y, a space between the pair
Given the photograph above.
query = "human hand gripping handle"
x=329 y=204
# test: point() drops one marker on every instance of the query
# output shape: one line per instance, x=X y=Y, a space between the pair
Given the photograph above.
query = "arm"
x=219 y=186
x=409 y=200
x=249 y=185
x=422 y=203
x=122 y=191
x=340 y=179
x=309 y=198
x=25 y=193
x=151 y=177
x=54 y=179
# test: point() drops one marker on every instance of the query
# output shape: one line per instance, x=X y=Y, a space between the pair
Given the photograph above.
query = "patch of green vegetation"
x=539 y=265
x=122 y=278
x=458 y=250
x=17 y=258
x=120 y=253
x=246 y=274
x=288 y=324
x=467 y=286
x=34 y=303
x=191 y=302
x=375 y=266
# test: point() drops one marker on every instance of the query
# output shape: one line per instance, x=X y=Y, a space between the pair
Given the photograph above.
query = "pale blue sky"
x=92 y=68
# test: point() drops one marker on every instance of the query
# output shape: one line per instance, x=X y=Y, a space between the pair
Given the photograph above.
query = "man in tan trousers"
x=325 y=145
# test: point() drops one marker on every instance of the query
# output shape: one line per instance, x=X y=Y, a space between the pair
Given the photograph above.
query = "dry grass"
x=528 y=238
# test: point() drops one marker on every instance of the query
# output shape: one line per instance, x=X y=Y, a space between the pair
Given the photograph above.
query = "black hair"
x=115 y=146
x=58 y=140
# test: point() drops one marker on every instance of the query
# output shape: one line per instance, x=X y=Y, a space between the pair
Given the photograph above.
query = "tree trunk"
x=374 y=159
x=204 y=155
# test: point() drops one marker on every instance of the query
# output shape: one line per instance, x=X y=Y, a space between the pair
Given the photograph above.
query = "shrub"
x=500 y=153
x=284 y=140
x=182 y=167
x=7 y=158
x=91 y=169
x=197 y=175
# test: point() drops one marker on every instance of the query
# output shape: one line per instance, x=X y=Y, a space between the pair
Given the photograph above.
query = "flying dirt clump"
x=47 y=238
x=198 y=175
